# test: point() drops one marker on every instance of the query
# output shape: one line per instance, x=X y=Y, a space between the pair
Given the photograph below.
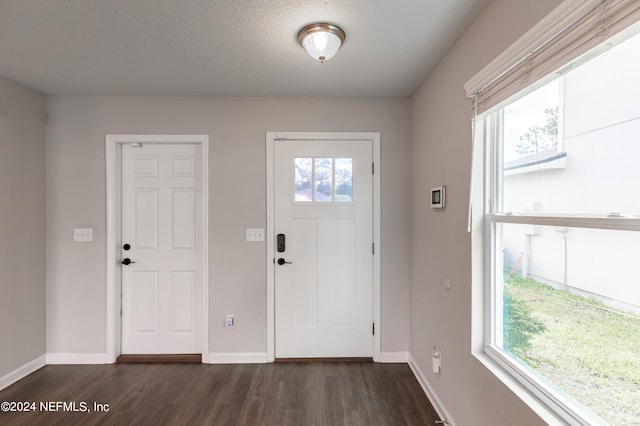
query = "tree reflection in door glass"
x=324 y=179
x=344 y=179
x=303 y=171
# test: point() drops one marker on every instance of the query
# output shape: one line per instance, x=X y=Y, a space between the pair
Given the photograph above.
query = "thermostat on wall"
x=437 y=197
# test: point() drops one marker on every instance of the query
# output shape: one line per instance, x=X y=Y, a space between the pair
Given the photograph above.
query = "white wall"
x=76 y=129
x=441 y=246
x=22 y=226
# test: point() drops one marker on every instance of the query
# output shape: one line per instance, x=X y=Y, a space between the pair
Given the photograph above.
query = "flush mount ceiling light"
x=321 y=40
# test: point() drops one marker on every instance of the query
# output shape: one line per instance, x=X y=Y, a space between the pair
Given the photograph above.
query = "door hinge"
x=373 y=168
x=373 y=328
x=373 y=249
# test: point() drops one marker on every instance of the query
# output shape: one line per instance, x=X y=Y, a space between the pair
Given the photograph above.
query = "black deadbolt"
x=126 y=247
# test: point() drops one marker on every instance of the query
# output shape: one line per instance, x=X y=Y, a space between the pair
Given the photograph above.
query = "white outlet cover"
x=228 y=321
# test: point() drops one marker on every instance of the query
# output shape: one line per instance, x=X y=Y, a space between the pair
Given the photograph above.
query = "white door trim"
x=271 y=138
x=113 y=146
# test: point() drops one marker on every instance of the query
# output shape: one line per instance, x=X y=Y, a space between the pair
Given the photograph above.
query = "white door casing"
x=326 y=300
x=164 y=202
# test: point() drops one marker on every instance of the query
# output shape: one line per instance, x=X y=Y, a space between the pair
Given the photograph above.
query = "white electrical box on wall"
x=436 y=359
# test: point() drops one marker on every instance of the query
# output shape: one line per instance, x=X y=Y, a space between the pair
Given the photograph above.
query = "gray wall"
x=432 y=245
x=236 y=126
x=22 y=226
x=441 y=246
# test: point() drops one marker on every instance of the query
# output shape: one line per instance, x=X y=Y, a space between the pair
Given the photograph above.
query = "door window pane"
x=344 y=179
x=324 y=179
x=303 y=172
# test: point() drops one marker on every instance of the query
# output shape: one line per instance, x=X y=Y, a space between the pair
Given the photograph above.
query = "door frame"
x=113 y=144
x=271 y=138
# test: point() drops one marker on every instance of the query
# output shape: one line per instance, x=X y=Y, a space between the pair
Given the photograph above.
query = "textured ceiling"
x=224 y=47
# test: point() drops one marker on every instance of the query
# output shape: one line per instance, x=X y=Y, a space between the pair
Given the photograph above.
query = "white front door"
x=161 y=237
x=324 y=261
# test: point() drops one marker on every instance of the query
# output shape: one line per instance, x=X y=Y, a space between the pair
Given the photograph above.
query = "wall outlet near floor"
x=228 y=321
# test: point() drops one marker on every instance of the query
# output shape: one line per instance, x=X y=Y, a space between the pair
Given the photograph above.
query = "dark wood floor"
x=280 y=394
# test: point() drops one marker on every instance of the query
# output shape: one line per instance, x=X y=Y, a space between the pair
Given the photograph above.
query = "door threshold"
x=167 y=359
x=345 y=359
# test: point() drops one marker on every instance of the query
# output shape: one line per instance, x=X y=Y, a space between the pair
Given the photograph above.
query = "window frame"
x=489 y=233
x=313 y=189
x=571 y=33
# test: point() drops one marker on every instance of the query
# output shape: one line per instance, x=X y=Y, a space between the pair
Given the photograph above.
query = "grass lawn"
x=588 y=349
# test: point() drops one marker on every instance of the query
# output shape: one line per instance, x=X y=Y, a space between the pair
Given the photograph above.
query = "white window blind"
x=558 y=43
x=555 y=45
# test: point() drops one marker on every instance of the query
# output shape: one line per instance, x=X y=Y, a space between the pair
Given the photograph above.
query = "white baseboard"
x=394 y=357
x=237 y=358
x=22 y=371
x=435 y=401
x=74 y=358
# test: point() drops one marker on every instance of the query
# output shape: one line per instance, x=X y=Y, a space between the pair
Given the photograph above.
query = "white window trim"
x=568 y=36
x=543 y=399
x=517 y=378
x=504 y=371
x=485 y=177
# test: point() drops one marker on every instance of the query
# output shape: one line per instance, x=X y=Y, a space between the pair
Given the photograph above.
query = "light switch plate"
x=255 y=234
x=83 y=234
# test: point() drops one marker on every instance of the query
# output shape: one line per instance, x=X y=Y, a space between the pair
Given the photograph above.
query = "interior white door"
x=161 y=236
x=324 y=261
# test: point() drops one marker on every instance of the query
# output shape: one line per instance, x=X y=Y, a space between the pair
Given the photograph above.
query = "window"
x=330 y=178
x=562 y=238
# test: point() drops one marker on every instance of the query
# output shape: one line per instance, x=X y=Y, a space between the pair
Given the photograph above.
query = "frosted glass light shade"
x=321 y=41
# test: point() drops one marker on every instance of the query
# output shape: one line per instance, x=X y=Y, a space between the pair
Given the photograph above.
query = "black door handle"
x=281 y=261
x=127 y=261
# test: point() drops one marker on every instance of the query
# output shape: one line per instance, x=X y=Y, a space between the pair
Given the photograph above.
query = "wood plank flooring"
x=323 y=393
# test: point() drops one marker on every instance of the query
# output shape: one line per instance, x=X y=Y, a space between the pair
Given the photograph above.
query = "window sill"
x=538 y=407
